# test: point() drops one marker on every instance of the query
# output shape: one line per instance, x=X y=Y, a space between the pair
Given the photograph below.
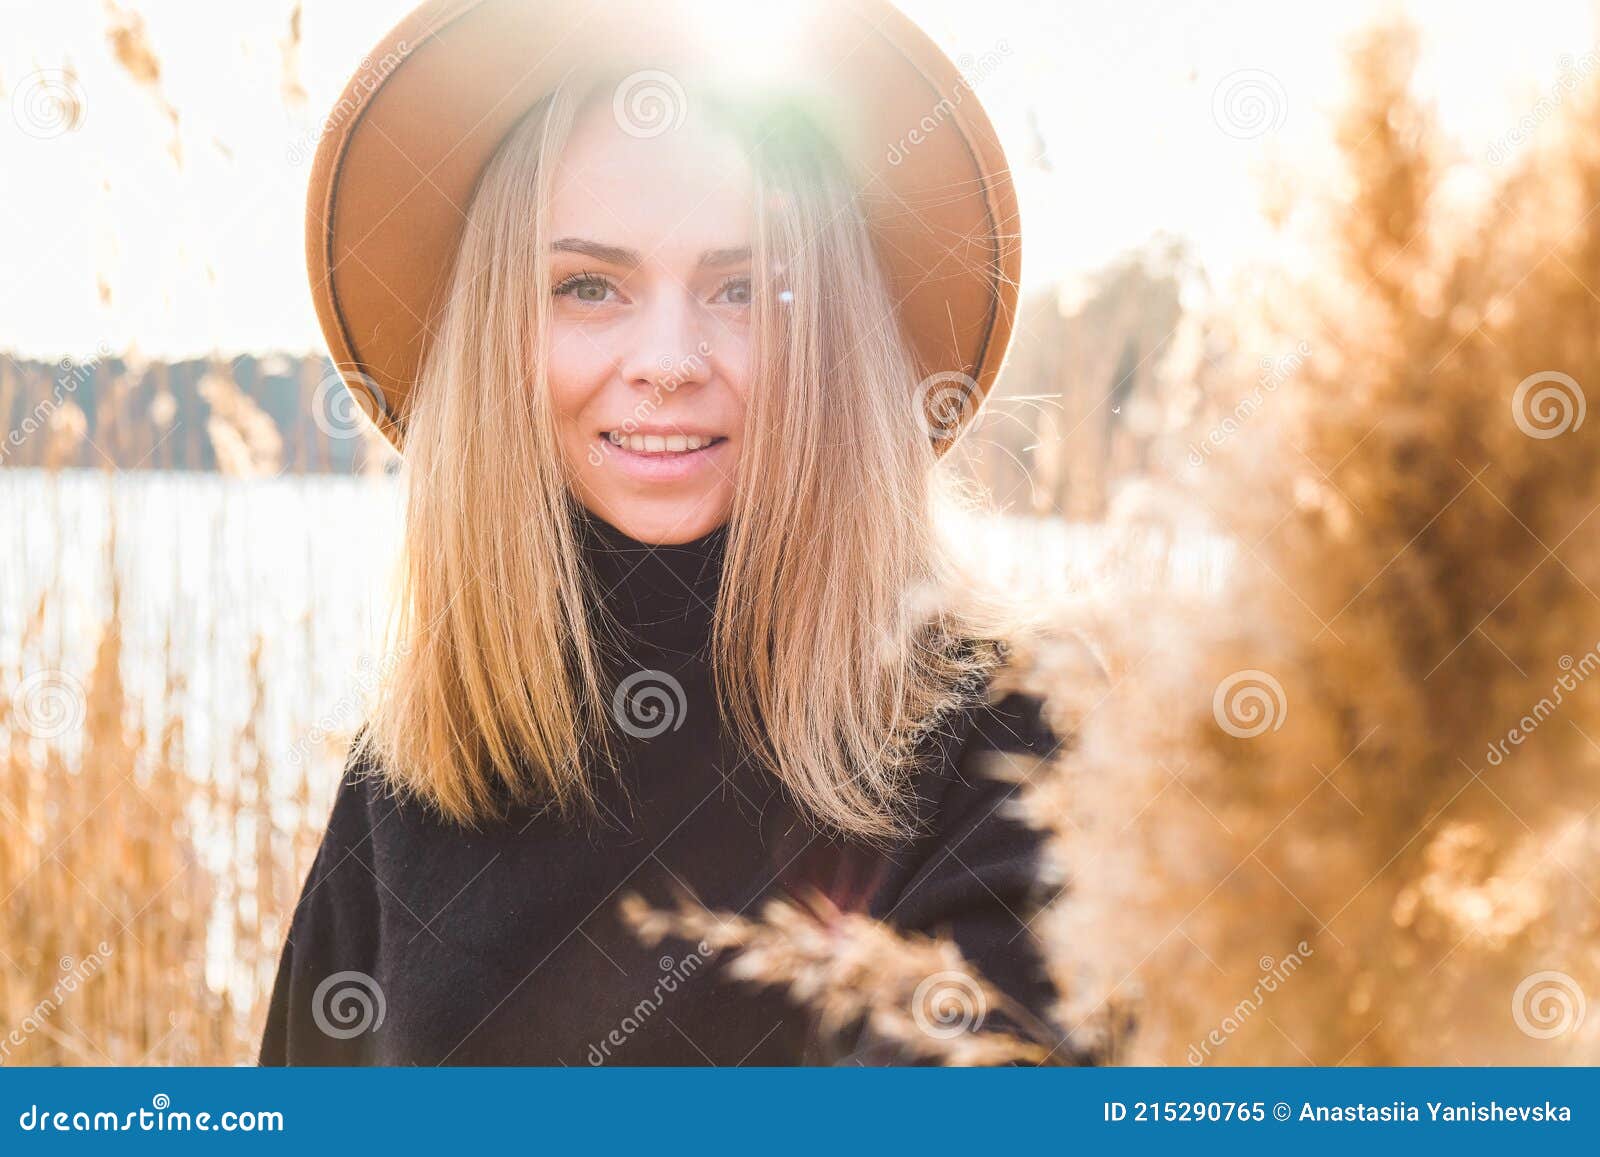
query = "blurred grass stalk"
x=1305 y=769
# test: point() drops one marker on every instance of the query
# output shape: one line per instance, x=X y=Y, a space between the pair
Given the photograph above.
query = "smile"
x=661 y=443
x=666 y=458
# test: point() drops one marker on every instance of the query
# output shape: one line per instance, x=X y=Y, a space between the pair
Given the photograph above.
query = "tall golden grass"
x=119 y=943
x=142 y=905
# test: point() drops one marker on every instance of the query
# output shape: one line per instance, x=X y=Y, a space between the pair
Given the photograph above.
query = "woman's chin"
x=662 y=520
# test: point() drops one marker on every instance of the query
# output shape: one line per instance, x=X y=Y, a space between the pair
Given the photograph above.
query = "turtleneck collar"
x=664 y=596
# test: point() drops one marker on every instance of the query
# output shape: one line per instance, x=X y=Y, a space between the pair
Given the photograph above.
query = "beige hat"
x=419 y=121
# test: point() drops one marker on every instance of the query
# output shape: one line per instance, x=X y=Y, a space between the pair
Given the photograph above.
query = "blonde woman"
x=675 y=618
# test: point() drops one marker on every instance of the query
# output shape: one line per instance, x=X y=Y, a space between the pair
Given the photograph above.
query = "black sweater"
x=418 y=942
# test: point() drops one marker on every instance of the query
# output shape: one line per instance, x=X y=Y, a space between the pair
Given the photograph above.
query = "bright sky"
x=208 y=258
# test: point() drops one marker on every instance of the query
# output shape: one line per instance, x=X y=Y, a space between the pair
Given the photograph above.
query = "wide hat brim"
x=402 y=151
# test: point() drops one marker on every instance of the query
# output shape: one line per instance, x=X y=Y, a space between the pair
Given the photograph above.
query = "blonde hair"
x=833 y=652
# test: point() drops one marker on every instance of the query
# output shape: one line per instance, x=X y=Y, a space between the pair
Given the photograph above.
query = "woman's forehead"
x=690 y=185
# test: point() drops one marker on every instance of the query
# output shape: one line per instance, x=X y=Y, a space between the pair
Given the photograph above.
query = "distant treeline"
x=247 y=415
x=1099 y=385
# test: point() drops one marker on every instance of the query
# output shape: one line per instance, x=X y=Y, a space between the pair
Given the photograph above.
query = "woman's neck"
x=664 y=596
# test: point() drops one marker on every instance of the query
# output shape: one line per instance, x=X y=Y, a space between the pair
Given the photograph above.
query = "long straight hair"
x=836 y=644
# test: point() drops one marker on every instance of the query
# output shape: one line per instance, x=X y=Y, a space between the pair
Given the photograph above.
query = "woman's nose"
x=668 y=343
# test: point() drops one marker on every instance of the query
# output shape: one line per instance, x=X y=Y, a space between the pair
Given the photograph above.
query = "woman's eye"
x=586 y=288
x=592 y=289
x=736 y=290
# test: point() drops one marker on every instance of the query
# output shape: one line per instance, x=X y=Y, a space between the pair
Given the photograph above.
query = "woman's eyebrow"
x=628 y=258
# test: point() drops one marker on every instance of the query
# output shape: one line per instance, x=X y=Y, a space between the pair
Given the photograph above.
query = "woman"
x=674 y=617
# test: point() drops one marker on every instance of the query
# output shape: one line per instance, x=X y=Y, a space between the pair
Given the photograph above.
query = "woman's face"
x=650 y=315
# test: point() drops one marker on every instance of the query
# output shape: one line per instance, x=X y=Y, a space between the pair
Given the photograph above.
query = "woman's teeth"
x=658 y=443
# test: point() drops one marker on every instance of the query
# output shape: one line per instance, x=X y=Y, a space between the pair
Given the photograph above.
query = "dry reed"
x=142 y=906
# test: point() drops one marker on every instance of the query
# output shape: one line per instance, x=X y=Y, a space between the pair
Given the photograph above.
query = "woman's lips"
x=663 y=465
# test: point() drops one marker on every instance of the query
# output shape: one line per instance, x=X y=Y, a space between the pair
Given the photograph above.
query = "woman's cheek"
x=731 y=360
x=575 y=367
